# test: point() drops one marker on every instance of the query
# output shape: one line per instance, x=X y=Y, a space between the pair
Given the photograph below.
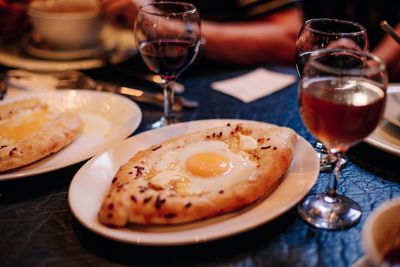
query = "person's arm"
x=389 y=51
x=272 y=40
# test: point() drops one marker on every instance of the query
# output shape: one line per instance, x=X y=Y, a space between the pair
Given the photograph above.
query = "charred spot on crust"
x=170 y=215
x=261 y=140
x=159 y=202
x=109 y=215
x=142 y=189
x=114 y=180
x=228 y=124
x=111 y=206
x=139 y=170
x=121 y=186
x=147 y=199
x=130 y=172
x=275 y=148
x=268 y=139
x=154 y=187
x=3 y=146
x=266 y=147
x=221 y=191
x=133 y=198
x=156 y=148
x=187 y=205
x=12 y=151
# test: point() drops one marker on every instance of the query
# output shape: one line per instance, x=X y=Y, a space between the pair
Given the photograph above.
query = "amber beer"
x=341 y=111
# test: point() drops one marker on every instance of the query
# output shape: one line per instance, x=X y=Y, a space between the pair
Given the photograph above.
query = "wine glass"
x=328 y=33
x=342 y=96
x=168 y=38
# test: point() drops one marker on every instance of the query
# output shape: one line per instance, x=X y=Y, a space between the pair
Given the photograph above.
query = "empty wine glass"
x=341 y=100
x=168 y=38
x=328 y=33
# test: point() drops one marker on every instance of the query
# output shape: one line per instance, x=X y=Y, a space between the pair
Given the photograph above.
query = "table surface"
x=37 y=227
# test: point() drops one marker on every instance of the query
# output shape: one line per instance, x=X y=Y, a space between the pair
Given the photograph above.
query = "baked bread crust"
x=133 y=199
x=59 y=131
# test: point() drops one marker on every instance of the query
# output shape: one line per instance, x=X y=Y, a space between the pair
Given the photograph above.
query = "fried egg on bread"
x=199 y=175
x=30 y=130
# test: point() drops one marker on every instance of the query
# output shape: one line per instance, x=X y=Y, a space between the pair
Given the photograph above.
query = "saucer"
x=117 y=44
x=37 y=47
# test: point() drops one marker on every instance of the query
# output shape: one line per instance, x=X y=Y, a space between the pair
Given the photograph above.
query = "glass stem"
x=331 y=189
x=168 y=100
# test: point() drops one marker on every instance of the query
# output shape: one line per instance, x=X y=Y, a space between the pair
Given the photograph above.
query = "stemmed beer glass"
x=341 y=100
x=168 y=38
x=328 y=33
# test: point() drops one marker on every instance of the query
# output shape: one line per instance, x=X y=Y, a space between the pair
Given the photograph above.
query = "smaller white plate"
x=387 y=135
x=108 y=119
x=91 y=182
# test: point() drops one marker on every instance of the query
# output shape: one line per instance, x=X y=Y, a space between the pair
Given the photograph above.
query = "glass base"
x=164 y=121
x=325 y=212
x=327 y=161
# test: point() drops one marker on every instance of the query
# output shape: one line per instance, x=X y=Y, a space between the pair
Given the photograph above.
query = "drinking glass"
x=328 y=33
x=341 y=100
x=168 y=38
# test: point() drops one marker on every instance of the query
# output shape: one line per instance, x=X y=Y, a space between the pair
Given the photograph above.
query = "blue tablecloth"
x=38 y=229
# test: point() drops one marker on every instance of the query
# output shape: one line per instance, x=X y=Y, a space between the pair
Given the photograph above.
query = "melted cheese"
x=24 y=125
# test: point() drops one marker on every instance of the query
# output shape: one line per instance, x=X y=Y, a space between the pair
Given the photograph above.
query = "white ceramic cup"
x=66 y=24
x=381 y=231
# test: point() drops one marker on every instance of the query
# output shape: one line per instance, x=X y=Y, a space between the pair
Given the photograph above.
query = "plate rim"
x=378 y=141
x=10 y=176
x=188 y=241
x=374 y=140
x=393 y=89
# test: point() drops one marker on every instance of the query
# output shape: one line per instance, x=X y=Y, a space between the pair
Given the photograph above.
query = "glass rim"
x=192 y=9
x=370 y=70
x=346 y=22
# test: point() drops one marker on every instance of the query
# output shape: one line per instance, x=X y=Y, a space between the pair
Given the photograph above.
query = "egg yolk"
x=207 y=164
x=24 y=126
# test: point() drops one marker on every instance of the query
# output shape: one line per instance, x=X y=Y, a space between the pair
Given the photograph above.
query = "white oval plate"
x=108 y=119
x=91 y=182
x=120 y=46
x=387 y=135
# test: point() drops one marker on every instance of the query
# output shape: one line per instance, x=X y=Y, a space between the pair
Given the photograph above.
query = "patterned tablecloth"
x=38 y=229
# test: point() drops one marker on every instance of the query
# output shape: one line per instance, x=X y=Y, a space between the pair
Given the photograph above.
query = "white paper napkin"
x=254 y=85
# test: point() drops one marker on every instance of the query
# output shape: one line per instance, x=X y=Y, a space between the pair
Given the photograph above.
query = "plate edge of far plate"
x=88 y=225
x=395 y=119
x=10 y=176
x=371 y=140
